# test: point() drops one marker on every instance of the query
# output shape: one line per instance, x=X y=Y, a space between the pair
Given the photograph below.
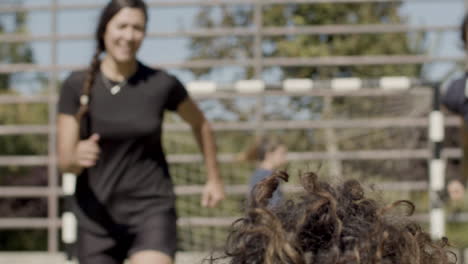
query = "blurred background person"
x=268 y=152
x=456 y=100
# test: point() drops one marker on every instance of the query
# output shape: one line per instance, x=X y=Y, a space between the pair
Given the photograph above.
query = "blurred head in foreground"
x=329 y=224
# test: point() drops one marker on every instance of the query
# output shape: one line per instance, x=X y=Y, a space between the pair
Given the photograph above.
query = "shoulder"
x=263 y=173
x=458 y=82
x=74 y=81
x=456 y=87
x=454 y=96
x=158 y=75
x=258 y=175
x=68 y=102
x=76 y=76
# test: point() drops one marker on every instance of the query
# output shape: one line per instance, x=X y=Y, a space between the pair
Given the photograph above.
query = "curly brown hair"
x=329 y=224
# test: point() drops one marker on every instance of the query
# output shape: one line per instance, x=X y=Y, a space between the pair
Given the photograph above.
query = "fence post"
x=52 y=176
x=436 y=167
x=69 y=223
x=335 y=164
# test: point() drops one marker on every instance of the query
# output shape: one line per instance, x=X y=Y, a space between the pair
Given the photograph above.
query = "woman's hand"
x=87 y=152
x=213 y=193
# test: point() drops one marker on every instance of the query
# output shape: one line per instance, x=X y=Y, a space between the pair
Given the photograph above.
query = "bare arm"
x=203 y=133
x=74 y=154
x=67 y=138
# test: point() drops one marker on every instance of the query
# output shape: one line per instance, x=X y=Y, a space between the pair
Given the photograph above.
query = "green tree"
x=311 y=108
x=12 y=145
x=298 y=15
x=18 y=52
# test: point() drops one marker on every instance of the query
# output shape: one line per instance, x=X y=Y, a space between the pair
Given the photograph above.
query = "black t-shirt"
x=130 y=180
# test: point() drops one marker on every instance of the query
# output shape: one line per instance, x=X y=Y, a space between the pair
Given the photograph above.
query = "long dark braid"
x=88 y=83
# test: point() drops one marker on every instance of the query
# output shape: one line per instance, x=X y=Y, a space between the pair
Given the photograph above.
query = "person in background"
x=455 y=99
x=268 y=153
x=109 y=134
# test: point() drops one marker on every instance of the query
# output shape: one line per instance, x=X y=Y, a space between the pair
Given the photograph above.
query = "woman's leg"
x=155 y=241
x=150 y=257
x=99 y=249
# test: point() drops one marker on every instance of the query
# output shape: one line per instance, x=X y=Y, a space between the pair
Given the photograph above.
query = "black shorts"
x=159 y=234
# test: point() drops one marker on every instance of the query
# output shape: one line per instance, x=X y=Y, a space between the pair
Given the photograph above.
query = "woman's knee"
x=150 y=257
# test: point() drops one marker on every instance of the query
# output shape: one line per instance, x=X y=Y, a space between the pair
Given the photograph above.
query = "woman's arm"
x=73 y=154
x=189 y=111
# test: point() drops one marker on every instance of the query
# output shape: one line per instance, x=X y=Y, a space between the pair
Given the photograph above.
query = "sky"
x=441 y=12
x=435 y=12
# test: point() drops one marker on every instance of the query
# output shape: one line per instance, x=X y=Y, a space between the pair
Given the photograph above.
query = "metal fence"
x=326 y=89
x=331 y=153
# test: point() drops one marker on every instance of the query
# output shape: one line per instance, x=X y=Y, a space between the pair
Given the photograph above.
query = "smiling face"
x=124 y=34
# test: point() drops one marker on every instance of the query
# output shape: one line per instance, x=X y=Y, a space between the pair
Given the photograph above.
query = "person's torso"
x=131 y=172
